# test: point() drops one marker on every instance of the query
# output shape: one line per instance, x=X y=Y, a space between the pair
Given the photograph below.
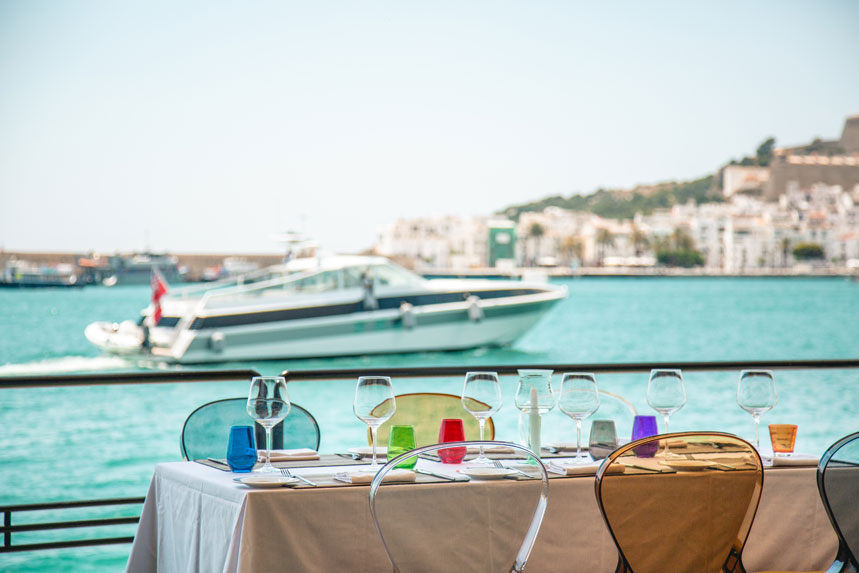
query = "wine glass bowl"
x=666 y=394
x=756 y=394
x=481 y=397
x=374 y=404
x=268 y=404
x=578 y=399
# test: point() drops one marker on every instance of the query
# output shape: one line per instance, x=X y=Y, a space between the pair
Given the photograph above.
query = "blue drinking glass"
x=644 y=427
x=241 y=450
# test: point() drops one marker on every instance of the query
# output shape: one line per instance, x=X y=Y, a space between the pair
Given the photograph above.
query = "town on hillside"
x=791 y=210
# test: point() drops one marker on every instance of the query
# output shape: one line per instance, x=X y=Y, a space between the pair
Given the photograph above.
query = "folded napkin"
x=795 y=460
x=367 y=477
x=582 y=469
x=492 y=450
x=298 y=455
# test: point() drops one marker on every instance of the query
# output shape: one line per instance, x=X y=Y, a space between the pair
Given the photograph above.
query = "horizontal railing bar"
x=103 y=522
x=66 y=544
x=103 y=379
x=505 y=369
x=72 y=504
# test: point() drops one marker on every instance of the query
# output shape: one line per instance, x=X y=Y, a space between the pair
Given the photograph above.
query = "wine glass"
x=268 y=404
x=756 y=394
x=579 y=399
x=481 y=397
x=534 y=397
x=374 y=403
x=666 y=394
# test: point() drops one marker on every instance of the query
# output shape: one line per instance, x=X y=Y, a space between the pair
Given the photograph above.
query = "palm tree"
x=535 y=232
x=639 y=240
x=571 y=248
x=604 y=239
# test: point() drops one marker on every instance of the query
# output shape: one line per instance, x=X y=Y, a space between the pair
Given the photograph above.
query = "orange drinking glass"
x=783 y=437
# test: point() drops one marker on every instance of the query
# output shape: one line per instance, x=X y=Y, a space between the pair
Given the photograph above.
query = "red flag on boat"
x=159 y=289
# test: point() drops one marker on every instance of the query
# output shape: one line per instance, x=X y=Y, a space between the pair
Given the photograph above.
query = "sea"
x=89 y=442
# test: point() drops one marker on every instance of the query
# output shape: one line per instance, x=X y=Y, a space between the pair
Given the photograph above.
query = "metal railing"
x=180 y=376
x=8 y=528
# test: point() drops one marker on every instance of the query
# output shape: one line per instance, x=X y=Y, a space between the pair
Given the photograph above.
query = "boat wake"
x=66 y=364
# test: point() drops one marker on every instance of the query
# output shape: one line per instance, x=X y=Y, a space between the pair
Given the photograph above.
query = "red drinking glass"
x=452 y=430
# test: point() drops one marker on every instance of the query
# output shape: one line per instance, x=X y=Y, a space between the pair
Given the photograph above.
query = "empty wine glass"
x=756 y=394
x=374 y=403
x=268 y=404
x=579 y=399
x=666 y=394
x=481 y=397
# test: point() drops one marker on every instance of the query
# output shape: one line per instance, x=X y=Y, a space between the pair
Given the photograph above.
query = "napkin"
x=795 y=460
x=298 y=455
x=367 y=477
x=582 y=469
x=492 y=450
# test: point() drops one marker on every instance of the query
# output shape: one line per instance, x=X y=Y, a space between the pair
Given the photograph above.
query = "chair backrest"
x=207 y=429
x=425 y=411
x=838 y=484
x=477 y=526
x=689 y=509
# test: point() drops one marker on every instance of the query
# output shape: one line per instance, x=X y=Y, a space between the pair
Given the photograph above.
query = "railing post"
x=7 y=534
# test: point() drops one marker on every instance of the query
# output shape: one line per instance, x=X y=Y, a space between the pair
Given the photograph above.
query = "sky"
x=210 y=126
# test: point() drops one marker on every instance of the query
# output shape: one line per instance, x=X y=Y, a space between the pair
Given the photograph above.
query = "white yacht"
x=331 y=306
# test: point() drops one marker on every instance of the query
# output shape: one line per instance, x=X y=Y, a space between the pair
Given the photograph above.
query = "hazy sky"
x=208 y=126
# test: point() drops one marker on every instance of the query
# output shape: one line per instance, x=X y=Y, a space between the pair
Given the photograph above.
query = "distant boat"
x=331 y=306
x=131 y=269
x=24 y=274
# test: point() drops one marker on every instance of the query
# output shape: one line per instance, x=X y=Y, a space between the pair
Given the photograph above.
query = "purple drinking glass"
x=644 y=427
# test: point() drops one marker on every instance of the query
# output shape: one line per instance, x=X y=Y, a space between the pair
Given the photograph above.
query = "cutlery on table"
x=498 y=464
x=287 y=473
x=442 y=476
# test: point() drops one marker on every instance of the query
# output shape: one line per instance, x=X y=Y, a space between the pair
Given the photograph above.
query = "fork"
x=498 y=464
x=286 y=473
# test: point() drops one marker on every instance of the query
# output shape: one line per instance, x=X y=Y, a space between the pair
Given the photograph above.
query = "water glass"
x=756 y=394
x=451 y=430
x=481 y=397
x=241 y=451
x=644 y=427
x=373 y=404
x=401 y=440
x=783 y=437
x=268 y=404
x=603 y=440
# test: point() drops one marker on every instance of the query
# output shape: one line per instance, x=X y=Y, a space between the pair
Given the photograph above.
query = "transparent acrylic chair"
x=838 y=484
x=460 y=526
x=686 y=513
x=207 y=429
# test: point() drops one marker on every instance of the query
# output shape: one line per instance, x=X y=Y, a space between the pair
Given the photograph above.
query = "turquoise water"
x=99 y=442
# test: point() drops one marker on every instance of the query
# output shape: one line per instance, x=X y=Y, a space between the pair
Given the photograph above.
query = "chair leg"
x=844 y=562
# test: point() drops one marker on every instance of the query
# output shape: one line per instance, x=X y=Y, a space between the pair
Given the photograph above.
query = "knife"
x=442 y=476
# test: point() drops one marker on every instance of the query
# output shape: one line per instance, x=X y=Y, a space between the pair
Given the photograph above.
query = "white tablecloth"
x=196 y=518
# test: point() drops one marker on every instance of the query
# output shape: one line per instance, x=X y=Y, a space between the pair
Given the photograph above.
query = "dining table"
x=196 y=517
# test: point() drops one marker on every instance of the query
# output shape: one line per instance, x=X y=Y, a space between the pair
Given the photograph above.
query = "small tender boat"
x=332 y=306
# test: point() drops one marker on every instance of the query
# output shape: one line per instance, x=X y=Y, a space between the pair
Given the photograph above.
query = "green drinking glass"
x=400 y=441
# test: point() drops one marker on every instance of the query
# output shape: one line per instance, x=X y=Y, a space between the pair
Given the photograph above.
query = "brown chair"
x=425 y=411
x=687 y=509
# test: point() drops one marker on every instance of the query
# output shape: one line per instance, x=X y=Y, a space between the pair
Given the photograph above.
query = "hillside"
x=624 y=204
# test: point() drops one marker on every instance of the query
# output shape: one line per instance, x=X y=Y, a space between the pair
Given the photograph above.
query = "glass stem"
x=267 y=446
x=578 y=439
x=482 y=423
x=757 y=423
x=665 y=416
x=373 y=433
